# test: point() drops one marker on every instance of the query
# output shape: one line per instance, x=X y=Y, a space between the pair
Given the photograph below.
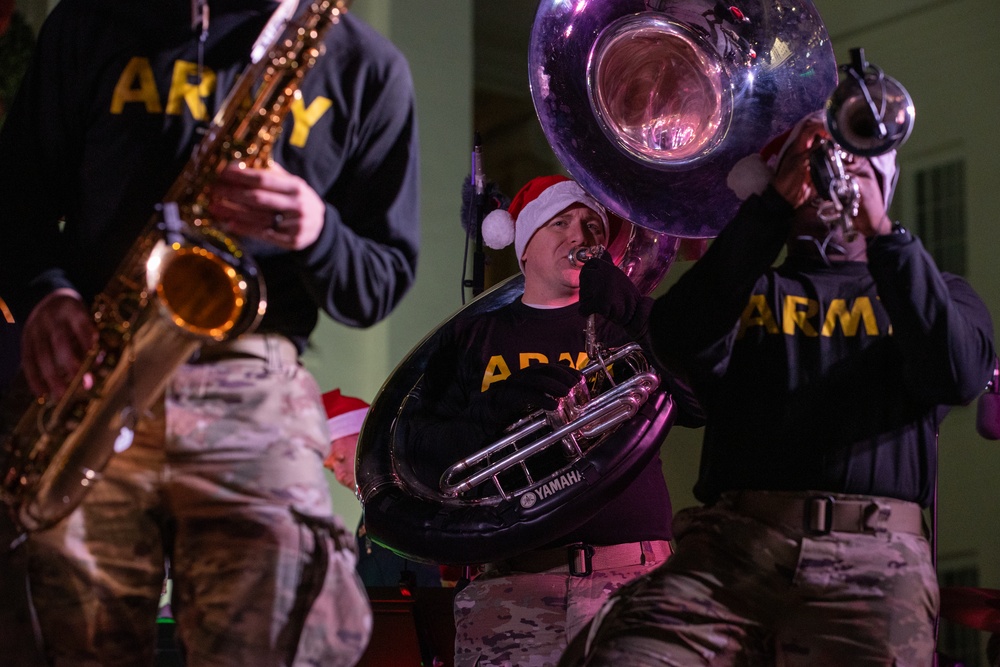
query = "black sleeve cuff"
x=897 y=237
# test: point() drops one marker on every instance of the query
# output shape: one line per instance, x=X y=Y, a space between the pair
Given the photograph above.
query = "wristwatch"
x=894 y=231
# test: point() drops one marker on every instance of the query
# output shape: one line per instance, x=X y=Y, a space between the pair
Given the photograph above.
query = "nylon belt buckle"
x=819 y=515
x=580 y=560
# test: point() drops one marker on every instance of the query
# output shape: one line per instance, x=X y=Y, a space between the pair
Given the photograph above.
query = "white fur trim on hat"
x=348 y=423
x=545 y=206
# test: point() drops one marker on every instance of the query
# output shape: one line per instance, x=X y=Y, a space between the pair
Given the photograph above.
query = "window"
x=939 y=200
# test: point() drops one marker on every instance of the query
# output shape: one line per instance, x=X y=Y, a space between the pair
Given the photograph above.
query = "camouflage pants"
x=515 y=619
x=225 y=479
x=741 y=592
x=17 y=632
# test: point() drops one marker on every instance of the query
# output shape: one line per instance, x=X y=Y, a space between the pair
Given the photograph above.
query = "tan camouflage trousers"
x=526 y=620
x=740 y=592
x=230 y=473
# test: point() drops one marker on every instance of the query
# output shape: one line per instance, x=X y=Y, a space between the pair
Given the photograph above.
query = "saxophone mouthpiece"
x=579 y=256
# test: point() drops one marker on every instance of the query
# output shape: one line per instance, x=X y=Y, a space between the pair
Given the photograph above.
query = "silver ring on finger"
x=277 y=220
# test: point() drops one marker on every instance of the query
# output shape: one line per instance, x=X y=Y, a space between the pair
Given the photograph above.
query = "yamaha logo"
x=561 y=482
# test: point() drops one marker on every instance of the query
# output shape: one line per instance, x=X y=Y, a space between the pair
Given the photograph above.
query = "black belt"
x=819 y=513
x=580 y=560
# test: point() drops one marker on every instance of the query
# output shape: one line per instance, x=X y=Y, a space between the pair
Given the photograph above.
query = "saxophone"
x=183 y=283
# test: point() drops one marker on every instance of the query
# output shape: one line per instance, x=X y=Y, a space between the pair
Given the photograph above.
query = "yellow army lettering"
x=305 y=117
x=137 y=85
x=497 y=368
x=799 y=315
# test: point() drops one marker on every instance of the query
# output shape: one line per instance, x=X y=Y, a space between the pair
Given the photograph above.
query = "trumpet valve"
x=576 y=400
x=570 y=408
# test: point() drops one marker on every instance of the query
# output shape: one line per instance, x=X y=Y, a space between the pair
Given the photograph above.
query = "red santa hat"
x=752 y=174
x=535 y=204
x=345 y=414
x=6 y=13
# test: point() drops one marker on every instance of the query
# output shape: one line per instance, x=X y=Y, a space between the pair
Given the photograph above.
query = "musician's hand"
x=270 y=204
x=607 y=291
x=871 y=218
x=56 y=338
x=793 y=180
x=537 y=387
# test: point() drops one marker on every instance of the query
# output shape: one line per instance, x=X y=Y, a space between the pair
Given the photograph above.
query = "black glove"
x=537 y=387
x=606 y=290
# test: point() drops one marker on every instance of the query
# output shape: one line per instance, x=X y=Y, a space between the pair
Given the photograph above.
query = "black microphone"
x=480 y=197
x=988 y=408
x=475 y=206
x=478 y=256
x=472 y=191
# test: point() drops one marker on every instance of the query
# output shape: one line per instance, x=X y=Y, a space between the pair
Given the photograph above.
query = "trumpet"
x=868 y=114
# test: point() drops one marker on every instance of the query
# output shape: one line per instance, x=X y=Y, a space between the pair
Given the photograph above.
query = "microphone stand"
x=478 y=282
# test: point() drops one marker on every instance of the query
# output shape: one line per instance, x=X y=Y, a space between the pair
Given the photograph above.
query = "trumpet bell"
x=869 y=113
x=647 y=102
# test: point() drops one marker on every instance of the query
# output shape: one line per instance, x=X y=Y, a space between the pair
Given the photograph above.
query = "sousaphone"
x=648 y=105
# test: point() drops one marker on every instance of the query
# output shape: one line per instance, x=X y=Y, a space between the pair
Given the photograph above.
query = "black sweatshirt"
x=815 y=377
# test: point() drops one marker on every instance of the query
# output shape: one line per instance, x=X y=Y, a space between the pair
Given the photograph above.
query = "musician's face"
x=340 y=460
x=547 y=267
x=871 y=218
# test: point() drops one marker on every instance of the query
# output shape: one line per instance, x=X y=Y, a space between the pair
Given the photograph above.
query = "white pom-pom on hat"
x=749 y=176
x=753 y=173
x=498 y=229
